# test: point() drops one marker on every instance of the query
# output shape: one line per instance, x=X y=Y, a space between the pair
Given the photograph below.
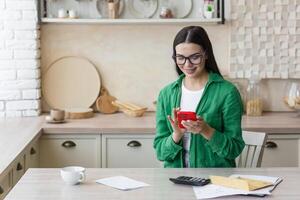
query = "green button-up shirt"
x=221 y=107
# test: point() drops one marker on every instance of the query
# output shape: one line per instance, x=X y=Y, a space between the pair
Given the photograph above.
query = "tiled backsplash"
x=265 y=38
x=19 y=59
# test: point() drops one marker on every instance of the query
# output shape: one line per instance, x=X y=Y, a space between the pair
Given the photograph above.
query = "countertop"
x=44 y=183
x=270 y=122
x=17 y=133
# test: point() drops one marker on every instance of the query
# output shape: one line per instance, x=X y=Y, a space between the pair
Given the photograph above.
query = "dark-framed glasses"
x=194 y=59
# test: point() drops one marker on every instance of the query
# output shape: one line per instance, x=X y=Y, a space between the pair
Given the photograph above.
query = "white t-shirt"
x=189 y=102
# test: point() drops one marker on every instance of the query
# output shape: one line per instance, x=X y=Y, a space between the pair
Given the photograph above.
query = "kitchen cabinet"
x=128 y=151
x=18 y=168
x=65 y=149
x=32 y=155
x=282 y=150
x=5 y=185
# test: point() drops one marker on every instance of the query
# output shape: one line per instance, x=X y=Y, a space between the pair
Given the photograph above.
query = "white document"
x=213 y=191
x=122 y=183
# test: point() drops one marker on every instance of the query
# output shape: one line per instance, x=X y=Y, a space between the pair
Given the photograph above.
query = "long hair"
x=197 y=35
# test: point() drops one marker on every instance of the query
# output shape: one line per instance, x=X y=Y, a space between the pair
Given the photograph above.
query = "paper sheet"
x=213 y=191
x=122 y=183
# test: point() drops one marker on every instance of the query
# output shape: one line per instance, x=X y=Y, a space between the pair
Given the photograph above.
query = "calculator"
x=188 y=180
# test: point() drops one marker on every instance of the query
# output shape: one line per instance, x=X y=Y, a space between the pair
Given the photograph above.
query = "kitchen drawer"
x=128 y=151
x=281 y=151
x=18 y=168
x=5 y=185
x=65 y=150
x=32 y=155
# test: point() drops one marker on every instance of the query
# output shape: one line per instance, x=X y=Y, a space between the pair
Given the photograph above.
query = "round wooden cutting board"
x=71 y=82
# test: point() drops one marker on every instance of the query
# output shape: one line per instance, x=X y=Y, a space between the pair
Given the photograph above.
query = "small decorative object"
x=166 y=13
x=130 y=109
x=254 y=101
x=292 y=96
x=62 y=13
x=72 y=14
x=113 y=9
x=208 y=9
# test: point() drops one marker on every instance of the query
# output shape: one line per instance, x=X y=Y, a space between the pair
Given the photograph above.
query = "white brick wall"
x=22 y=105
x=2 y=4
x=5 y=35
x=20 y=87
x=31 y=94
x=1 y=105
x=7 y=75
x=10 y=95
x=28 y=74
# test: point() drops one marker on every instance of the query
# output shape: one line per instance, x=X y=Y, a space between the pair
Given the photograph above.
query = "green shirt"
x=221 y=107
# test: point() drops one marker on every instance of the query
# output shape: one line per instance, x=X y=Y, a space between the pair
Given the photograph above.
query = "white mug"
x=73 y=175
x=62 y=13
x=72 y=14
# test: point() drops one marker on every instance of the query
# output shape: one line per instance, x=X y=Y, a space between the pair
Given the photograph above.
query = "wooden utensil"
x=104 y=102
x=130 y=109
x=79 y=113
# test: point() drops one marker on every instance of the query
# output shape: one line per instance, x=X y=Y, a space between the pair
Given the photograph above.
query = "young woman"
x=215 y=138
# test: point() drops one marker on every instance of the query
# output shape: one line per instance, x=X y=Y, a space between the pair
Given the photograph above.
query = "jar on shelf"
x=254 y=106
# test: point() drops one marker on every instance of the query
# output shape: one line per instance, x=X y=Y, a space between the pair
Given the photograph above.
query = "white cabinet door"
x=5 y=185
x=65 y=150
x=32 y=155
x=121 y=151
x=18 y=169
x=281 y=151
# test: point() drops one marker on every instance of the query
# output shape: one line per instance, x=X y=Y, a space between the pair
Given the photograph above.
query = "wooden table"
x=39 y=184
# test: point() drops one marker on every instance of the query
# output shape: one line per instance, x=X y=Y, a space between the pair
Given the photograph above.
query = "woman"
x=215 y=138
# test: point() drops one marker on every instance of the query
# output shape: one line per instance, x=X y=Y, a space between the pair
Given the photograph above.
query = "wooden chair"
x=253 y=151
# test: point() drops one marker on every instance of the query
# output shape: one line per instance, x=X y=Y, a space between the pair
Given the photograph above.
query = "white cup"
x=62 y=13
x=72 y=14
x=73 y=175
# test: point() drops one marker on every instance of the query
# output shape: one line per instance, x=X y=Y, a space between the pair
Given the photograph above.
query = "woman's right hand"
x=178 y=132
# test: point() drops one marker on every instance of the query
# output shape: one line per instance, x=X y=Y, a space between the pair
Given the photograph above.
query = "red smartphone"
x=185 y=115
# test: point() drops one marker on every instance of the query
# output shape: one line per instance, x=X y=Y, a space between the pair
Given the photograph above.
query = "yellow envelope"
x=239 y=183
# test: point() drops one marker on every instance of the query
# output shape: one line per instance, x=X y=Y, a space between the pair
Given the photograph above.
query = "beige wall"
x=134 y=61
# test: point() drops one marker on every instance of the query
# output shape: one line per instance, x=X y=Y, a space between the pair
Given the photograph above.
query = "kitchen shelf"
x=131 y=21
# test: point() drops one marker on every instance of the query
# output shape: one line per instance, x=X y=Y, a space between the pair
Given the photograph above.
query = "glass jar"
x=254 y=105
x=292 y=96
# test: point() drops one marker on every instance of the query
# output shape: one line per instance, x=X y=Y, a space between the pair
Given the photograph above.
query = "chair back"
x=252 y=154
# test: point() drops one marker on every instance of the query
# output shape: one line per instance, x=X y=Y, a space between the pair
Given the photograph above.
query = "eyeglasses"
x=194 y=59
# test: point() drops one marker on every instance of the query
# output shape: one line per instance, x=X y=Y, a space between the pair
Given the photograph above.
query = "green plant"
x=209 y=8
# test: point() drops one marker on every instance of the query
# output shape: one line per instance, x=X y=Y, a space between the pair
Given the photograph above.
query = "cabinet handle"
x=19 y=167
x=271 y=145
x=1 y=190
x=134 y=143
x=68 y=144
x=32 y=151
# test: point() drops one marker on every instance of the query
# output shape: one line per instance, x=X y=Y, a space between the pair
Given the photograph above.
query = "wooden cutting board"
x=104 y=102
x=71 y=82
x=79 y=113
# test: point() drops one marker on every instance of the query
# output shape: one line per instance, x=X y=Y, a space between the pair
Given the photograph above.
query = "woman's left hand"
x=199 y=127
